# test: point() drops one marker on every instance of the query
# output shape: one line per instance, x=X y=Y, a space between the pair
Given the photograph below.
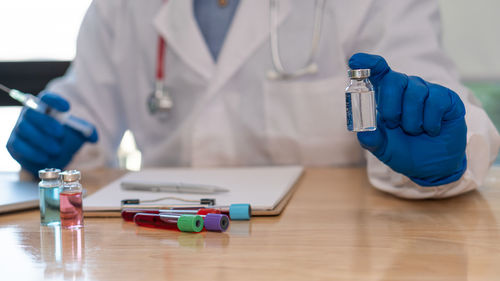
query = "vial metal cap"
x=49 y=174
x=358 y=73
x=71 y=175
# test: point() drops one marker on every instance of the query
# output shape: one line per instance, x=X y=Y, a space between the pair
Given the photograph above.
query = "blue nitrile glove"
x=421 y=130
x=39 y=141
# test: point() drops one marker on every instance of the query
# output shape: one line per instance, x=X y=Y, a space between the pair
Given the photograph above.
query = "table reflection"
x=62 y=251
x=205 y=239
x=240 y=228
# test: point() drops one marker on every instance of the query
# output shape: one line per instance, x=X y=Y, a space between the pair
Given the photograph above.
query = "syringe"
x=35 y=103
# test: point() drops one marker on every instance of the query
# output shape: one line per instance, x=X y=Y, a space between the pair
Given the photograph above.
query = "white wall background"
x=40 y=29
x=471 y=36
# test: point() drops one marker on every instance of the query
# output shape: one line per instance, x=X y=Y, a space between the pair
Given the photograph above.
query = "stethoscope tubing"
x=278 y=72
x=160 y=59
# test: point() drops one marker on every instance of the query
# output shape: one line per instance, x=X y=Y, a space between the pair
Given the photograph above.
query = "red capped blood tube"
x=185 y=223
x=211 y=221
x=234 y=211
x=128 y=214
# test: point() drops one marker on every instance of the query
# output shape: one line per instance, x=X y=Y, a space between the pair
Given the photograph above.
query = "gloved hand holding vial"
x=421 y=129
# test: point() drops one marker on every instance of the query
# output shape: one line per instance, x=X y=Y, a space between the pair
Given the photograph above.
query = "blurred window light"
x=34 y=30
x=129 y=157
x=471 y=37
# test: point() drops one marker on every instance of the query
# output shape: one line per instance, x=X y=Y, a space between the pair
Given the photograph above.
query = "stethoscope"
x=160 y=100
x=279 y=72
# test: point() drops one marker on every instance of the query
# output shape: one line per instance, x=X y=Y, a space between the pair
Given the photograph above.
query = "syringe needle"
x=5 y=89
x=34 y=102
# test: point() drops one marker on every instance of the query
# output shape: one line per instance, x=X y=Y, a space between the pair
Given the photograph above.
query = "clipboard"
x=266 y=189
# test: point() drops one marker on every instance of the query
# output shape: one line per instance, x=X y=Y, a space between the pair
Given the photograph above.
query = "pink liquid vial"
x=70 y=200
x=71 y=209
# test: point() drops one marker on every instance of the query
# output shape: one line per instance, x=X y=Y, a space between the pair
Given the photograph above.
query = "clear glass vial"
x=70 y=198
x=49 y=188
x=360 y=102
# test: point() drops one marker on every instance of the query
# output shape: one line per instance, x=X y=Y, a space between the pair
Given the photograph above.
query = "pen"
x=177 y=187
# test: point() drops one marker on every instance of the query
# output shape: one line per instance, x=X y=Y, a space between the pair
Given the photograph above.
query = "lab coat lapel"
x=176 y=23
x=250 y=28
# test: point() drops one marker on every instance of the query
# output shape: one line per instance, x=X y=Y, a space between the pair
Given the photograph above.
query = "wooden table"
x=336 y=227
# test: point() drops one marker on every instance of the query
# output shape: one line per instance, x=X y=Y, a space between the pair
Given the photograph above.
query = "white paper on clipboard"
x=264 y=188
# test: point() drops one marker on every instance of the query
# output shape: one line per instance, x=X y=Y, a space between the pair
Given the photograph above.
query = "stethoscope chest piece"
x=160 y=101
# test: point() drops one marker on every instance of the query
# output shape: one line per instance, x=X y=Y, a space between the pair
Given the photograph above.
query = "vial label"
x=348 y=110
x=71 y=209
x=361 y=112
x=49 y=206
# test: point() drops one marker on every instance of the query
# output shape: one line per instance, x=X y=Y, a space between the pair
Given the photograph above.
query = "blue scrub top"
x=214 y=22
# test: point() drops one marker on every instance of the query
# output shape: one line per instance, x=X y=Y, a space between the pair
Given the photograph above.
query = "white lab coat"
x=228 y=113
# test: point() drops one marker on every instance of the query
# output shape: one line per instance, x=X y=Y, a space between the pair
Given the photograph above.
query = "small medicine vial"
x=49 y=188
x=70 y=198
x=360 y=102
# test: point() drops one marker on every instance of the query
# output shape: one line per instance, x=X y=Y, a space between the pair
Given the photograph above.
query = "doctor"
x=262 y=83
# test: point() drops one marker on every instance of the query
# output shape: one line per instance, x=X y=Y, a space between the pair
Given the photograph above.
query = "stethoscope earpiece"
x=307 y=70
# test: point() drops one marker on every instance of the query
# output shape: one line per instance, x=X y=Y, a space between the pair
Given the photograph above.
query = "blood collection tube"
x=128 y=214
x=185 y=223
x=211 y=221
x=234 y=211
